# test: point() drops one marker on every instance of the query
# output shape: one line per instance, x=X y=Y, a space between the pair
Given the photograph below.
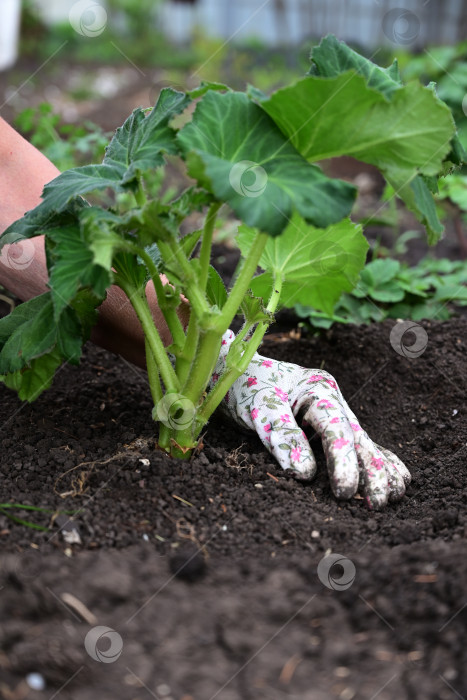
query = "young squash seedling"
x=257 y=154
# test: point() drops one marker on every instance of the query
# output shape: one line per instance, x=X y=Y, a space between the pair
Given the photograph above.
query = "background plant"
x=66 y=145
x=388 y=288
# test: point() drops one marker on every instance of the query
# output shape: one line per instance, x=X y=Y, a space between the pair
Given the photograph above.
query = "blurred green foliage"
x=66 y=145
x=390 y=289
x=447 y=66
x=133 y=34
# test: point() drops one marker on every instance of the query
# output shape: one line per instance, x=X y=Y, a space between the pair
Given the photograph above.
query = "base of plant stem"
x=174 y=449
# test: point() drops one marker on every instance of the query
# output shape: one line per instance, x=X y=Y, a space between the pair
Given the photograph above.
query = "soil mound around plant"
x=207 y=571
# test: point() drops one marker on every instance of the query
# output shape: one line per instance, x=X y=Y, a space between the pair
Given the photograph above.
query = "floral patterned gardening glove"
x=268 y=396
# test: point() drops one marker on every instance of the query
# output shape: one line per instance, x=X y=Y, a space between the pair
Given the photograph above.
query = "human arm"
x=23 y=173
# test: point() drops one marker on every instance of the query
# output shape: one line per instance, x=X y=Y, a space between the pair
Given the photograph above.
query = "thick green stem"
x=169 y=313
x=171 y=251
x=195 y=386
x=232 y=373
x=140 y=196
x=242 y=283
x=184 y=360
x=153 y=374
x=140 y=304
x=165 y=434
x=206 y=244
x=203 y=366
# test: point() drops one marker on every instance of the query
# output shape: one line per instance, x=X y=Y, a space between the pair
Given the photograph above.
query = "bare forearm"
x=23 y=173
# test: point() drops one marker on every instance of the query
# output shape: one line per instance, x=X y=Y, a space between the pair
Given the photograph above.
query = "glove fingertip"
x=377 y=501
x=305 y=473
x=397 y=463
x=344 y=491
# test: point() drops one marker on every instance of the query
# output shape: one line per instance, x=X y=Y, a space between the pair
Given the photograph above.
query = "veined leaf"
x=378 y=272
x=39 y=220
x=33 y=345
x=72 y=267
x=30 y=382
x=127 y=269
x=333 y=57
x=254 y=311
x=329 y=117
x=140 y=143
x=315 y=265
x=78 y=181
x=96 y=227
x=405 y=131
x=215 y=289
x=418 y=198
x=62 y=205
x=30 y=332
x=237 y=152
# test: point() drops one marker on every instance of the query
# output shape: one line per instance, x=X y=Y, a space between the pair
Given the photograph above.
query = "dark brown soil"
x=248 y=617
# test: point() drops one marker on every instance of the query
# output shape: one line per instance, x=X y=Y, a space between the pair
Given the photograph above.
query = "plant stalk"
x=206 y=244
x=170 y=315
x=171 y=251
x=242 y=283
x=141 y=307
x=231 y=374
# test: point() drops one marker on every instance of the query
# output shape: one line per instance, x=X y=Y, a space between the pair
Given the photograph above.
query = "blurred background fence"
x=369 y=23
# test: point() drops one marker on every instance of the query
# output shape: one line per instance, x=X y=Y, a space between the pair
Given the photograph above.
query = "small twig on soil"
x=78 y=483
x=65 y=433
x=79 y=607
x=289 y=669
x=182 y=500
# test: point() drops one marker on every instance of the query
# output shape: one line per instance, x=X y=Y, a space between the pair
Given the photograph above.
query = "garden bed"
x=253 y=620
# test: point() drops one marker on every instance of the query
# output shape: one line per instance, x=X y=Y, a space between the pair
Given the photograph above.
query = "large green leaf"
x=333 y=57
x=329 y=117
x=72 y=267
x=30 y=332
x=37 y=221
x=419 y=199
x=315 y=265
x=237 y=152
x=30 y=382
x=140 y=143
x=33 y=344
x=405 y=131
x=96 y=227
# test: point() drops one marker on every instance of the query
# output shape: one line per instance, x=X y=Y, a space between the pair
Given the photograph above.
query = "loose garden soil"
x=248 y=617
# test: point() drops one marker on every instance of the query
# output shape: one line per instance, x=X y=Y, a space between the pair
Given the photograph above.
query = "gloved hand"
x=268 y=396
